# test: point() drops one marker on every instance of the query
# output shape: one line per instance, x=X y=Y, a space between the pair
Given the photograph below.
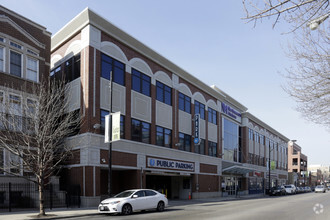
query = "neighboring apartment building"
x=157 y=101
x=24 y=61
x=297 y=165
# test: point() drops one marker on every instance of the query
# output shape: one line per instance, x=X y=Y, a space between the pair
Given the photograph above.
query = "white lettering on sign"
x=170 y=164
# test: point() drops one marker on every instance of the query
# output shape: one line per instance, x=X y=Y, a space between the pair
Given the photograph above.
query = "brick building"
x=24 y=62
x=157 y=101
x=297 y=164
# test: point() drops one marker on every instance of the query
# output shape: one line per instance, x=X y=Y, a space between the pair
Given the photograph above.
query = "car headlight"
x=115 y=202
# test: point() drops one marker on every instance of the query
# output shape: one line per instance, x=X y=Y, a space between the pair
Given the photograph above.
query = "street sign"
x=197 y=128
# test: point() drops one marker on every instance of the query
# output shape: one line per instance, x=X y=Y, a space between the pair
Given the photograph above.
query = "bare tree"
x=309 y=80
x=33 y=128
x=296 y=12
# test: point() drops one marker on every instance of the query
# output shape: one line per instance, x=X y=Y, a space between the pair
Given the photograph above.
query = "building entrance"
x=174 y=187
x=232 y=185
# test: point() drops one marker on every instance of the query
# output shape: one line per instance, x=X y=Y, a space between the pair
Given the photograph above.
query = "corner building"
x=157 y=101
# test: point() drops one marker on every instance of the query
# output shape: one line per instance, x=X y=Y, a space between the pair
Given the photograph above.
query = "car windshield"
x=319 y=187
x=124 y=194
x=287 y=186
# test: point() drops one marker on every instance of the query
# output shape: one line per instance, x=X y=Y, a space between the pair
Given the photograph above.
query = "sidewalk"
x=64 y=213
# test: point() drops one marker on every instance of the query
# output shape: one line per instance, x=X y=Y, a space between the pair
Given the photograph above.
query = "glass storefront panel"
x=230 y=140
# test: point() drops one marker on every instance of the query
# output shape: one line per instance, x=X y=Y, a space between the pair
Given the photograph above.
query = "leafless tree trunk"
x=33 y=128
x=308 y=82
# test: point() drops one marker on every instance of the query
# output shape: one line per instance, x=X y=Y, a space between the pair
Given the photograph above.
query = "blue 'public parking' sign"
x=196 y=123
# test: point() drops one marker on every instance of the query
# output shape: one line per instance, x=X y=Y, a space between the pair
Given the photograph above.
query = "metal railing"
x=20 y=196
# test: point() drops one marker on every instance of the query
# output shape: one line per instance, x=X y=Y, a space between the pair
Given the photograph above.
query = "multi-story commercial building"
x=158 y=102
x=24 y=62
x=264 y=149
x=297 y=164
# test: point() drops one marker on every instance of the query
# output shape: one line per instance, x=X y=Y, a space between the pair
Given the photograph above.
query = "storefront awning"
x=238 y=170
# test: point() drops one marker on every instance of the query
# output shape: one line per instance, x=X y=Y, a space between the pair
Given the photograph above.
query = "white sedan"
x=320 y=188
x=134 y=200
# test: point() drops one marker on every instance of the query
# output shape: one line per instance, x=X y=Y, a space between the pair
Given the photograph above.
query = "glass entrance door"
x=231 y=183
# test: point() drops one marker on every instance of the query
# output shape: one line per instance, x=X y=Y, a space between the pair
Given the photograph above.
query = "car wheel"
x=126 y=210
x=160 y=206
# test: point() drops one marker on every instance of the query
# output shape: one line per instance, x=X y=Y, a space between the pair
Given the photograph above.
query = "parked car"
x=300 y=189
x=320 y=188
x=290 y=189
x=308 y=189
x=134 y=200
x=277 y=191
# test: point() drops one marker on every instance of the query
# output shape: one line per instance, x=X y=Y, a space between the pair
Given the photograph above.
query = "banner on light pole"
x=112 y=127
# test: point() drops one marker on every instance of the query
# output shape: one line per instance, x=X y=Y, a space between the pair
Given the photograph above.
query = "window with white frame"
x=32 y=69
x=15 y=63
x=30 y=112
x=13 y=44
x=14 y=164
x=2 y=59
x=15 y=119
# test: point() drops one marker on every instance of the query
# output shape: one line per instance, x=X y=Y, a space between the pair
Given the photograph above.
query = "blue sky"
x=209 y=40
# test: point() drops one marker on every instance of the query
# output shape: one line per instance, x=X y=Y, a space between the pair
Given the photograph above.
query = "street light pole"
x=269 y=170
x=110 y=143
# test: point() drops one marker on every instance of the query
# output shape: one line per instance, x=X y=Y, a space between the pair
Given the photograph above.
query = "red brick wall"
x=119 y=158
x=207 y=183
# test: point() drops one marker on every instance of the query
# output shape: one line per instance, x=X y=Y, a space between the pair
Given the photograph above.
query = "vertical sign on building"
x=112 y=133
x=197 y=129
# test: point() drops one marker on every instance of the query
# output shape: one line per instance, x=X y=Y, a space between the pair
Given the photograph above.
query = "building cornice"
x=34 y=24
x=4 y=18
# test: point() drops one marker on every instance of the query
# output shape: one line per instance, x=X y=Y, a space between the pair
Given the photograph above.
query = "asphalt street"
x=301 y=206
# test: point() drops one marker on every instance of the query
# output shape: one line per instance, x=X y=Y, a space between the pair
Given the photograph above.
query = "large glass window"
x=141 y=82
x=163 y=137
x=2 y=59
x=56 y=73
x=164 y=93
x=185 y=142
x=251 y=134
x=212 y=149
x=212 y=116
x=200 y=148
x=109 y=64
x=200 y=109
x=231 y=140
x=140 y=131
x=72 y=68
x=184 y=103
x=15 y=63
x=32 y=69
